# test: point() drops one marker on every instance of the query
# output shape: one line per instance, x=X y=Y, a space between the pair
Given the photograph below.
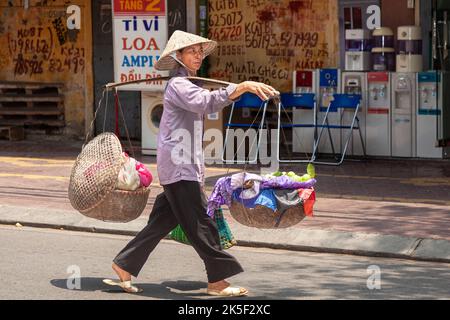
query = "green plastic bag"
x=226 y=237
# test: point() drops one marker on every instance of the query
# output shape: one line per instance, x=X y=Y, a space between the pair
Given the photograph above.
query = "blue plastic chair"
x=299 y=101
x=340 y=101
x=250 y=101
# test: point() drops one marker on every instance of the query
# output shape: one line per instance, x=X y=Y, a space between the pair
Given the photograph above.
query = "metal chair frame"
x=250 y=101
x=296 y=100
x=341 y=101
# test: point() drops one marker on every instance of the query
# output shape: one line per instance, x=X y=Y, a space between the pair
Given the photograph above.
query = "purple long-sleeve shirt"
x=180 y=139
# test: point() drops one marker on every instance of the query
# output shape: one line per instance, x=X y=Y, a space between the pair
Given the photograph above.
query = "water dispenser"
x=403 y=141
x=378 y=119
x=329 y=84
x=303 y=137
x=383 y=52
x=357 y=50
x=429 y=116
x=356 y=83
x=304 y=81
x=409 y=53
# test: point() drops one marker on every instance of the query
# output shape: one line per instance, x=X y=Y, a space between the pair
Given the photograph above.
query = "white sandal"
x=228 y=292
x=125 y=285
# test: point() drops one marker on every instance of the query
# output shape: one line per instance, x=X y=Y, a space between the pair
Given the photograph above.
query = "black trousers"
x=181 y=203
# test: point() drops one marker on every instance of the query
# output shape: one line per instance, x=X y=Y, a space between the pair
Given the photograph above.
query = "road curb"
x=410 y=255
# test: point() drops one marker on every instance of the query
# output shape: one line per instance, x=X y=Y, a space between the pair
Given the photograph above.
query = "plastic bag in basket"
x=128 y=178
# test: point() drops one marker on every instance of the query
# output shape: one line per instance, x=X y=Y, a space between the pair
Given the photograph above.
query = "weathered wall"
x=266 y=40
x=396 y=13
x=35 y=45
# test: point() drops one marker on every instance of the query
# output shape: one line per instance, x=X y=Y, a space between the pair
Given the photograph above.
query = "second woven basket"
x=264 y=218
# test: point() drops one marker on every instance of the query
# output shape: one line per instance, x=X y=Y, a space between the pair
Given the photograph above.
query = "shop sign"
x=140 y=34
x=139 y=7
x=374 y=19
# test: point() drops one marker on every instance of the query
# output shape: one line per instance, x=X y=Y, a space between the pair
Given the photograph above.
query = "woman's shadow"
x=173 y=290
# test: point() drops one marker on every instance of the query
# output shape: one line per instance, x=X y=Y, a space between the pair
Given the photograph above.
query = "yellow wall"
x=35 y=45
x=266 y=40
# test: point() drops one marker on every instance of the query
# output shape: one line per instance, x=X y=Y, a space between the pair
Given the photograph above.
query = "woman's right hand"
x=262 y=90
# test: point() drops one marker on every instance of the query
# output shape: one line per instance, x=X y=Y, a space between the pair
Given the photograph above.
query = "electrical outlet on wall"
x=411 y=4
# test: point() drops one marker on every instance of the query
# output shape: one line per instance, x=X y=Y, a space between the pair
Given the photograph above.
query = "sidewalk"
x=385 y=208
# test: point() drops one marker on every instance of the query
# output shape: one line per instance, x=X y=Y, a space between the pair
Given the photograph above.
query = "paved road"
x=38 y=263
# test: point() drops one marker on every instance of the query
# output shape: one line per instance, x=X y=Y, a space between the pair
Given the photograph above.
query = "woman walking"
x=182 y=173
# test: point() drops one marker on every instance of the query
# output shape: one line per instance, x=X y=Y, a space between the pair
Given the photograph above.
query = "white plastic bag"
x=128 y=178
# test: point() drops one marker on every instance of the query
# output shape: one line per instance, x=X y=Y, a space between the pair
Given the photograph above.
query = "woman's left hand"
x=262 y=90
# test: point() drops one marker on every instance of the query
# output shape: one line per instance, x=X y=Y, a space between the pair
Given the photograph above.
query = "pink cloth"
x=144 y=174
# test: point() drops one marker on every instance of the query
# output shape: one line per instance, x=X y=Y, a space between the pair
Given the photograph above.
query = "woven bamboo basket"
x=264 y=218
x=93 y=181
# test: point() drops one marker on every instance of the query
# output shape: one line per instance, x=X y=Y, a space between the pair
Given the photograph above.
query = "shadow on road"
x=172 y=290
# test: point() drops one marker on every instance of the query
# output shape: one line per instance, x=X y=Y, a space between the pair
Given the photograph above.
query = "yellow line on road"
x=428 y=182
x=419 y=182
x=36 y=162
x=48 y=160
x=359 y=177
x=383 y=199
x=33 y=176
